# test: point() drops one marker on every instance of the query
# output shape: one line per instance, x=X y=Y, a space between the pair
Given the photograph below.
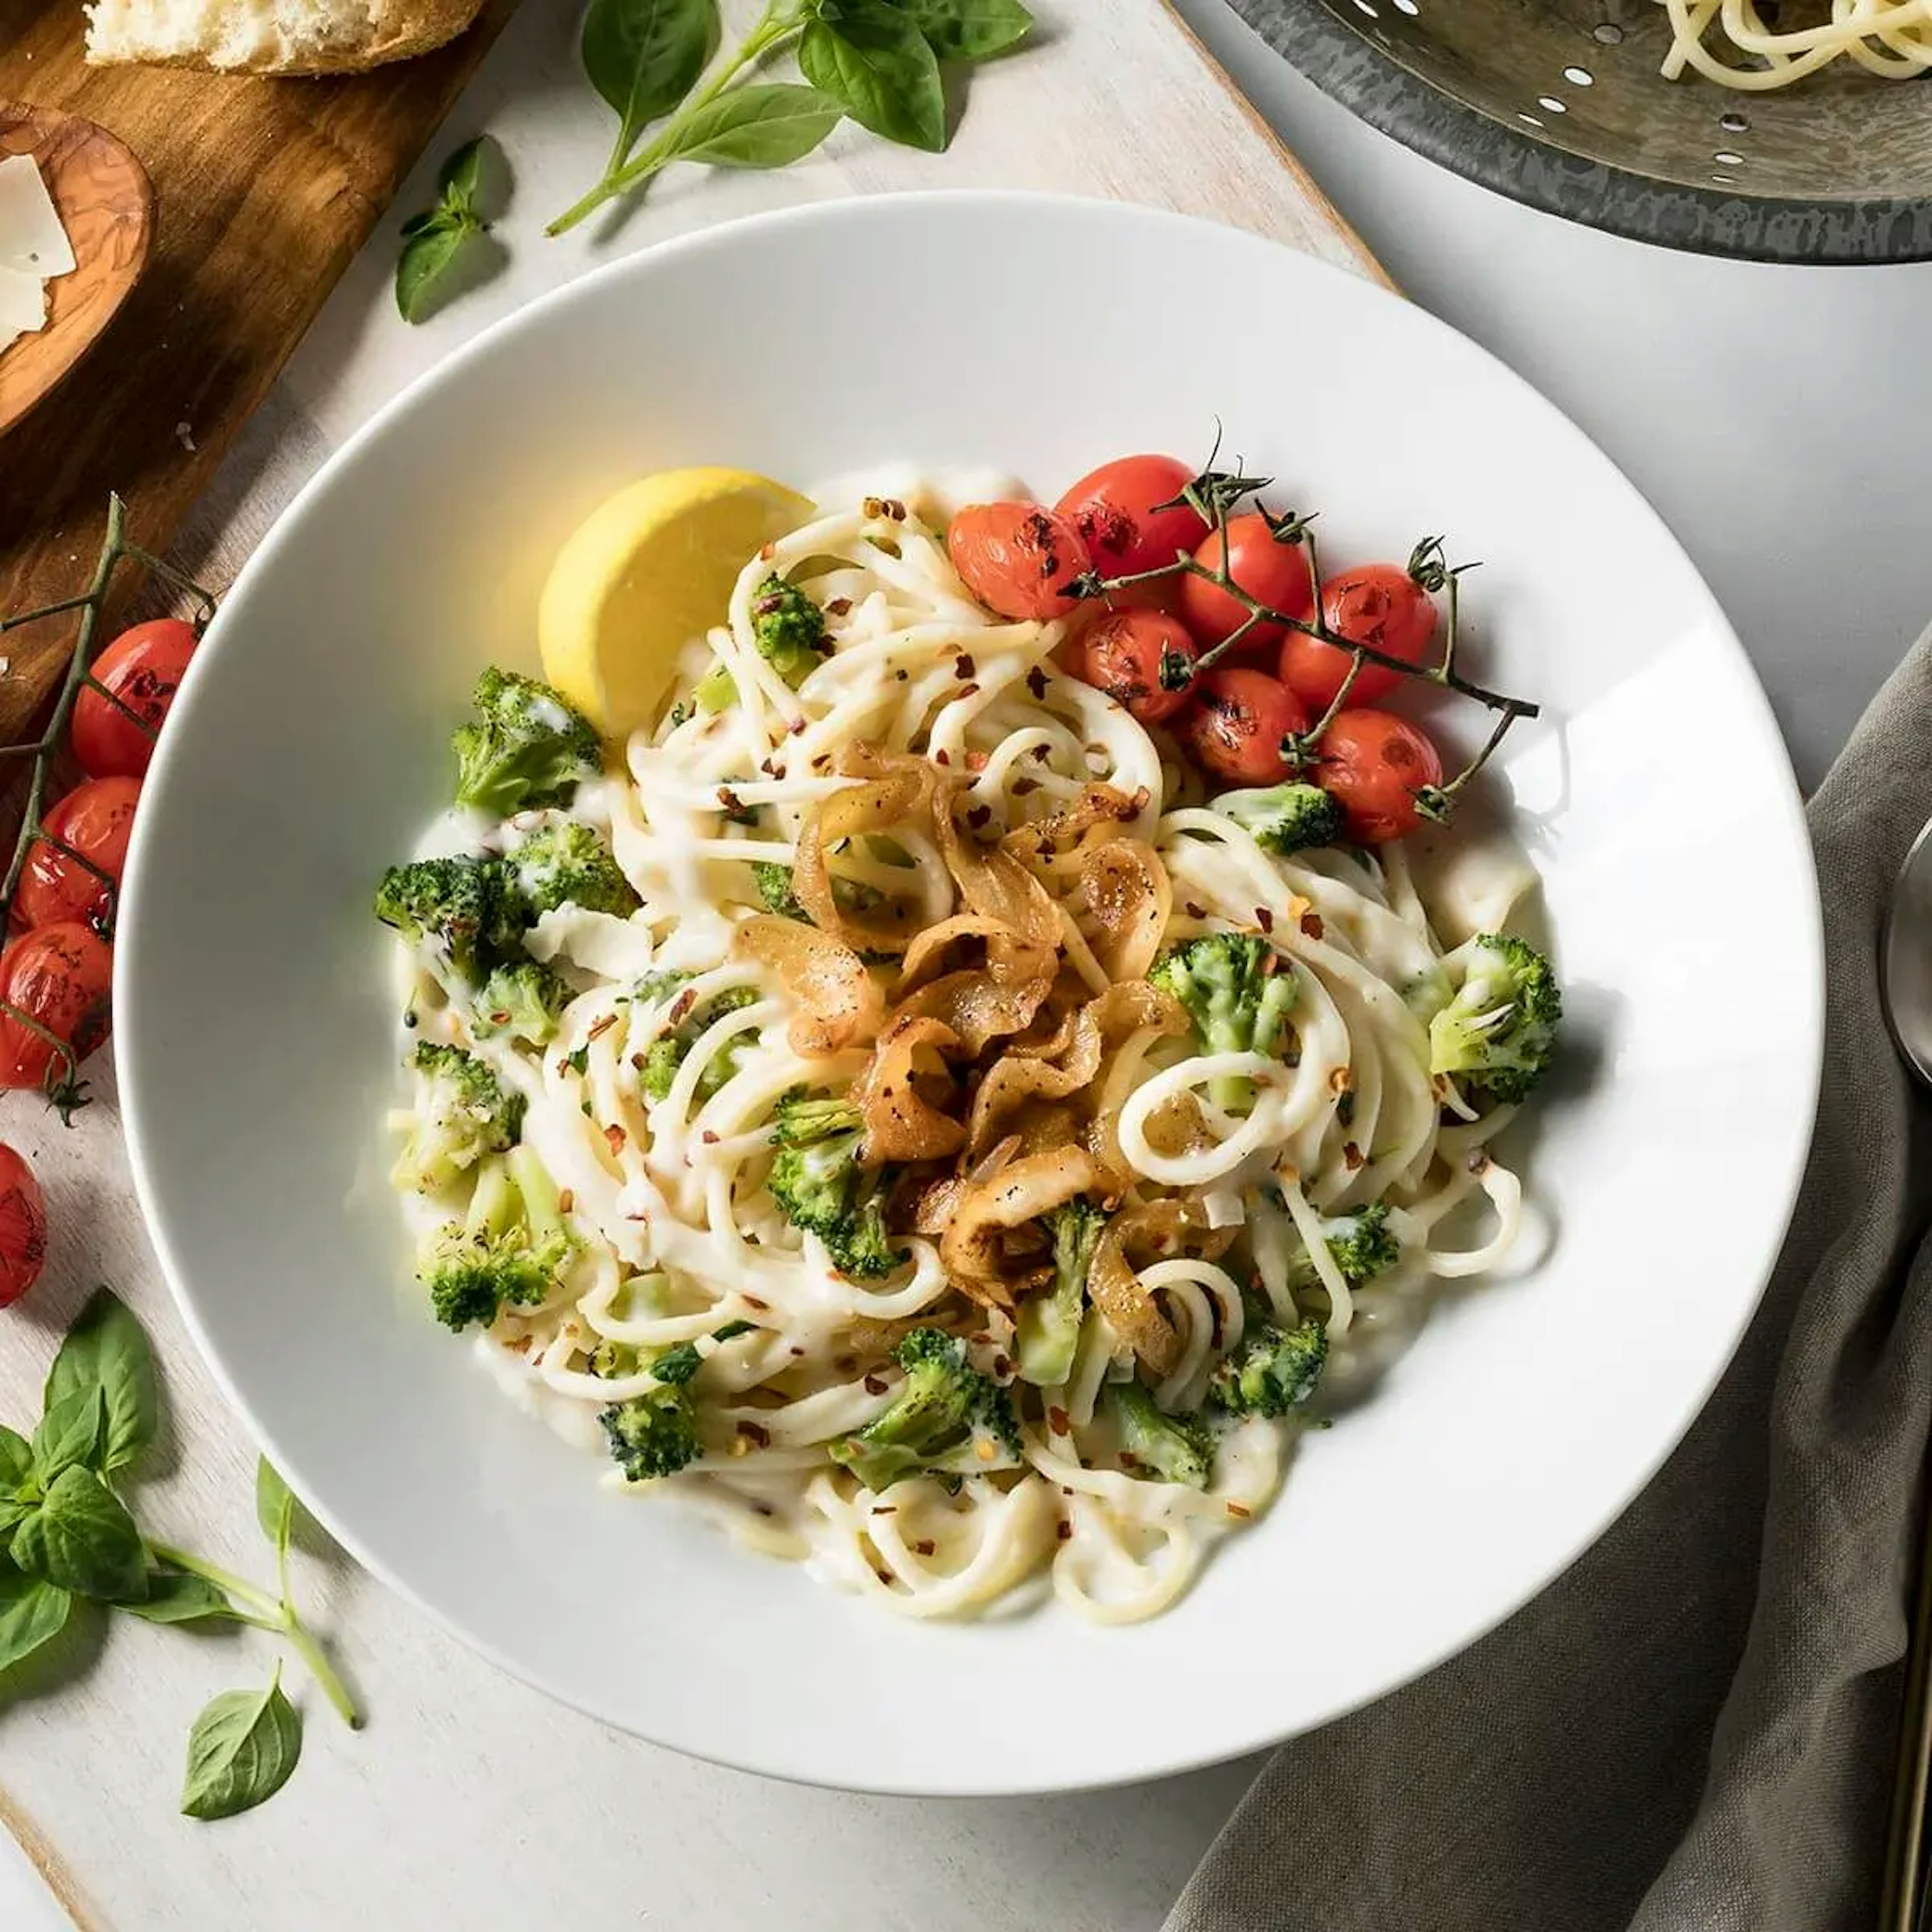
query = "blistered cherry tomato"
x=1235 y=726
x=142 y=667
x=1380 y=605
x=1142 y=658
x=1019 y=560
x=1375 y=763
x=23 y=1227
x=1128 y=514
x=60 y=976
x=96 y=819
x=1265 y=565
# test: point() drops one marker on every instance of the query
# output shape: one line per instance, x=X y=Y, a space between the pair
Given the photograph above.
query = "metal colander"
x=1560 y=103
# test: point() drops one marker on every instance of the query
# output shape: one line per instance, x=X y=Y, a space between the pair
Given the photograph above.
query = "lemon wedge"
x=648 y=571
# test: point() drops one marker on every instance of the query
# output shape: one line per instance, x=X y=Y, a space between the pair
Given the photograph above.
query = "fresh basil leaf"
x=766 y=127
x=70 y=1432
x=17 y=1460
x=874 y=61
x=32 y=1612
x=462 y=176
x=105 y=1349
x=241 y=1751
x=174 y=1597
x=644 y=56
x=970 y=30
x=82 y=1538
x=425 y=261
x=14 y=1510
x=275 y=1504
x=436 y=220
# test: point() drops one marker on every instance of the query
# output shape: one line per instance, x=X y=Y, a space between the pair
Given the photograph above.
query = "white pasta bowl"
x=1035 y=337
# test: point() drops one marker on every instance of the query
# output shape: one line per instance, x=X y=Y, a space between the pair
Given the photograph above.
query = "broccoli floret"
x=527 y=748
x=1362 y=1244
x=462 y=1113
x=1273 y=1370
x=1049 y=1323
x=818 y=1183
x=509 y=1248
x=523 y=1000
x=564 y=863
x=669 y=1051
x=1284 y=818
x=1500 y=1030
x=452 y=905
x=675 y=1365
x=775 y=892
x=1160 y=1448
x=654 y=1434
x=1232 y=987
x=943 y=1412
x=789 y=630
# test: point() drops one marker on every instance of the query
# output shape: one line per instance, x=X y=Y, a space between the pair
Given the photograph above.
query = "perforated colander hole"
x=1580 y=76
x=1725 y=158
x=1532 y=120
x=1407 y=6
x=1368 y=7
x=1550 y=104
x=1734 y=123
x=1725 y=181
x=1607 y=34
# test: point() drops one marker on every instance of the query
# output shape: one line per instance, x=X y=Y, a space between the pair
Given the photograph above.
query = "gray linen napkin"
x=1694 y=1727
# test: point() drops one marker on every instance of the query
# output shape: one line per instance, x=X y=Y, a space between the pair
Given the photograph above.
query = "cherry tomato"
x=60 y=976
x=1018 y=559
x=1143 y=659
x=96 y=819
x=1374 y=763
x=23 y=1227
x=1236 y=724
x=1126 y=514
x=142 y=667
x=1264 y=566
x=1380 y=605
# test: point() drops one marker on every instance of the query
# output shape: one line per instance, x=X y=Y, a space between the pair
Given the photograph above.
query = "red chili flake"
x=728 y=800
x=925 y=1546
x=766 y=552
x=1002 y=1368
x=1264 y=919
x=874 y=506
x=753 y=1432
x=681 y=1006
x=566 y=1199
x=902 y=675
x=638 y=1061
x=980 y=816
x=1271 y=965
x=762 y=1509
x=1142 y=798
x=1064 y=1490
x=969 y=691
x=797 y=727
x=1311 y=924
x=963 y=666
x=1041 y=753
x=765 y=606
x=1478 y=1163
x=976 y=761
x=1036 y=680
x=939 y=757
x=1352 y=1156
x=1063 y=1531
x=982 y=1339
x=614 y=1137
x=709 y=1138
x=501 y=1019
x=1340 y=1080
x=637 y=1217
x=1129 y=1460
x=873 y=1385
x=797 y=1352
x=1240 y=1510
x=1021 y=787
x=823 y=763
x=1193 y=910
x=839 y=607
x=1059 y=1421
x=885 y=1576
x=600 y=1027
x=1345 y=1110
x=885 y=1509
x=752 y=1301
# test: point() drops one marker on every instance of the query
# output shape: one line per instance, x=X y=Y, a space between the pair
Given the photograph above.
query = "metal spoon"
x=1905 y=990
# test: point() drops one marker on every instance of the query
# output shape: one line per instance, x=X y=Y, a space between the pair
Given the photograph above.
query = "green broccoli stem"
x=781 y=19
x=276 y=1615
x=542 y=1203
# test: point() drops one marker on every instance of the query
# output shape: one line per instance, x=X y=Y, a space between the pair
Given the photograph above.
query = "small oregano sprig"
x=876 y=60
x=67 y=1533
x=434 y=241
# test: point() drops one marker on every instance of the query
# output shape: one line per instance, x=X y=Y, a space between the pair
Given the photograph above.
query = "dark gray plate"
x=1559 y=103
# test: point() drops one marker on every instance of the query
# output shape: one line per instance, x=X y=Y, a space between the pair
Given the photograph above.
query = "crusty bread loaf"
x=271 y=36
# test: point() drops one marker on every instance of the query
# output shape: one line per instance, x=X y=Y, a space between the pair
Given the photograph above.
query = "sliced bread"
x=271 y=36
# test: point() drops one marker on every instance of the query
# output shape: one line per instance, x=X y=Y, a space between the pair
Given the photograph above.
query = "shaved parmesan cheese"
x=32 y=238
x=23 y=302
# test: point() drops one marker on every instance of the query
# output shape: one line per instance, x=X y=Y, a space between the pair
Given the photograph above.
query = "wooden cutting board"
x=264 y=189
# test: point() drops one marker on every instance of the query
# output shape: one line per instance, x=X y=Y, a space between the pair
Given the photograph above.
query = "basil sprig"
x=436 y=241
x=877 y=61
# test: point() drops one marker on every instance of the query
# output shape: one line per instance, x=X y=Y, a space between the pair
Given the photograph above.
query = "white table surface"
x=1773 y=415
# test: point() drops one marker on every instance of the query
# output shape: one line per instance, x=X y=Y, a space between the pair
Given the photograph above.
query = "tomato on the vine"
x=1019 y=560
x=1235 y=726
x=60 y=977
x=1268 y=566
x=143 y=668
x=1142 y=658
x=23 y=1227
x=1375 y=763
x=1129 y=514
x=96 y=819
x=1380 y=605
